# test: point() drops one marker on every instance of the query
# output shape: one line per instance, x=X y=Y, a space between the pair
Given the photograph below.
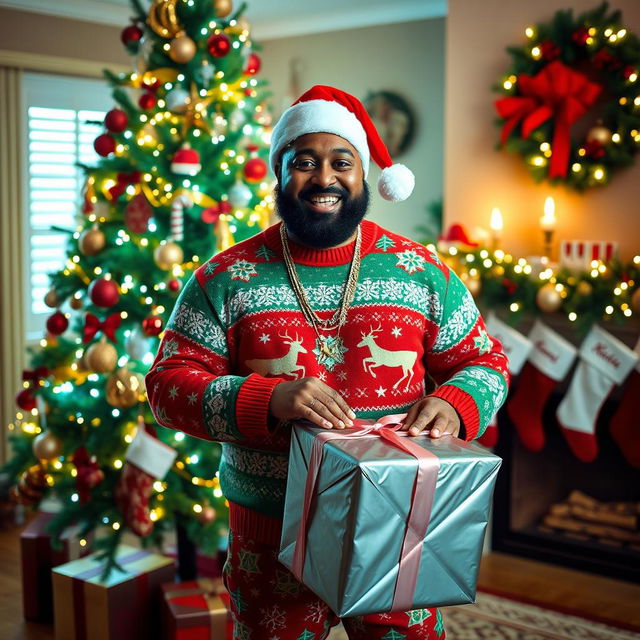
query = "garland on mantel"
x=607 y=293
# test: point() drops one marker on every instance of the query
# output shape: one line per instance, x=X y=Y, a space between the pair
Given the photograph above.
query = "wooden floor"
x=609 y=599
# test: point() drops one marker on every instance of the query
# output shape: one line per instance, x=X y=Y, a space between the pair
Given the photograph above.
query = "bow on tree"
x=89 y=474
x=108 y=327
x=35 y=375
x=212 y=213
x=555 y=92
x=123 y=180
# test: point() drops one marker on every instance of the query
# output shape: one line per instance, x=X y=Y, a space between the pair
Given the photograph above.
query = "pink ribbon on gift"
x=421 y=500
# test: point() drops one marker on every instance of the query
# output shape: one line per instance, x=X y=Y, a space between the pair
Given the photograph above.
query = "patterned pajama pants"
x=268 y=603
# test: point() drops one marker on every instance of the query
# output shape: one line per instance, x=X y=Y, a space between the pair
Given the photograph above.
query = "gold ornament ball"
x=167 y=255
x=207 y=515
x=548 y=299
x=182 y=49
x=222 y=8
x=125 y=389
x=101 y=357
x=600 y=134
x=51 y=299
x=635 y=300
x=75 y=303
x=92 y=242
x=584 y=288
x=46 y=446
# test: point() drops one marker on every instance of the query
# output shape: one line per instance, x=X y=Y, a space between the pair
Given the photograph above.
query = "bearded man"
x=324 y=316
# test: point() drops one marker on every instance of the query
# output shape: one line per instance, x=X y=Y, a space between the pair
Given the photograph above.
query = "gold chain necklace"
x=340 y=315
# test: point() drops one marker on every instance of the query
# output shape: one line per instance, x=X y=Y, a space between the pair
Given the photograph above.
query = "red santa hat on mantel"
x=324 y=109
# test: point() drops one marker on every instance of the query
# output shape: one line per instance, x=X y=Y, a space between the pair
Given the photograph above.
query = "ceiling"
x=269 y=19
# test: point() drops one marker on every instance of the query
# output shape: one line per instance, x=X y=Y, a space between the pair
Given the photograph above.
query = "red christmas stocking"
x=549 y=362
x=604 y=363
x=517 y=348
x=624 y=426
x=148 y=459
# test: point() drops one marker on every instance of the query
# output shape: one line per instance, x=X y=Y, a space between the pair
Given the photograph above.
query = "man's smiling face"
x=321 y=194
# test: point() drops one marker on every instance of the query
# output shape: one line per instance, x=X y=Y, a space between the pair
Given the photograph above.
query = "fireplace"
x=536 y=492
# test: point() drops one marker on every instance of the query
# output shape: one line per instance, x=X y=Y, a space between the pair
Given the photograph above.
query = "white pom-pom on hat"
x=329 y=110
x=396 y=183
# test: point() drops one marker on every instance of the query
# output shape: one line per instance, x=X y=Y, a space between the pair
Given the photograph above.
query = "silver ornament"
x=177 y=100
x=239 y=195
x=137 y=345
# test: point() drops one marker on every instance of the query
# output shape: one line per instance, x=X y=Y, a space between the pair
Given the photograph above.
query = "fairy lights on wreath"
x=560 y=75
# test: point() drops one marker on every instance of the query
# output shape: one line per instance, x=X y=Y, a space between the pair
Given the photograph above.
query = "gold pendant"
x=326 y=349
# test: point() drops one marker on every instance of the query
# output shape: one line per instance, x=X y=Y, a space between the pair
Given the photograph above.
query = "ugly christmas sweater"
x=237 y=330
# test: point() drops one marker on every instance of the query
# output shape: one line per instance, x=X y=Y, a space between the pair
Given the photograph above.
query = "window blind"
x=63 y=119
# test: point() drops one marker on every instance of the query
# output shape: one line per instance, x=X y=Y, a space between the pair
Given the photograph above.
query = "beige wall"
x=477 y=177
x=50 y=36
x=406 y=58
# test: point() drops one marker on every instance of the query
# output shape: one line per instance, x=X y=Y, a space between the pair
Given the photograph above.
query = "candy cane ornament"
x=178 y=206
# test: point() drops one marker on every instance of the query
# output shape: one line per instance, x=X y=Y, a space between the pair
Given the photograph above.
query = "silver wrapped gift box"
x=357 y=549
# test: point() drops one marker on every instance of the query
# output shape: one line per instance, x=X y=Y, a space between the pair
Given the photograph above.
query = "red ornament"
x=104 y=145
x=131 y=35
x=219 y=45
x=628 y=71
x=550 y=50
x=255 y=169
x=253 y=65
x=152 y=325
x=580 y=36
x=174 y=285
x=594 y=149
x=25 y=400
x=147 y=101
x=57 y=323
x=137 y=214
x=104 y=292
x=116 y=120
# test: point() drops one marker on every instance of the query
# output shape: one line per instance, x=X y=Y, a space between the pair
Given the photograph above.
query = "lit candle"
x=548 y=224
x=548 y=220
x=495 y=224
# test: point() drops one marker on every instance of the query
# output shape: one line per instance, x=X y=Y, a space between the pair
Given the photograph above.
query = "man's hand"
x=434 y=414
x=313 y=400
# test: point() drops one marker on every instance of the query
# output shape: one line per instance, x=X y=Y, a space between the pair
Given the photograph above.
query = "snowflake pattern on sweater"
x=237 y=330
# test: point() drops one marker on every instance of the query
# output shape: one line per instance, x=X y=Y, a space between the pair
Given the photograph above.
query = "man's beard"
x=321 y=230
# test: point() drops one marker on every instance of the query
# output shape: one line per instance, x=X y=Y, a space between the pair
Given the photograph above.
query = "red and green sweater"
x=237 y=331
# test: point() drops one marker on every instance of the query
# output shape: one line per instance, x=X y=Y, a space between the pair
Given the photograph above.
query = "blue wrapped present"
x=383 y=528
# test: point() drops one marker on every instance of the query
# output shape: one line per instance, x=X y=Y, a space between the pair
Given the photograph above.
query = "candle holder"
x=547 y=243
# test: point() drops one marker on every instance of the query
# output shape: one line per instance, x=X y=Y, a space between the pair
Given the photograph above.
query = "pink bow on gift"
x=421 y=499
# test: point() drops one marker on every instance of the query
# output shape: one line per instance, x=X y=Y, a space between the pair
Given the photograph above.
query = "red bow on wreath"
x=93 y=325
x=555 y=92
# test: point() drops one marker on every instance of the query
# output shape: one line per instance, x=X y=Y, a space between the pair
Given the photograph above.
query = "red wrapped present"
x=197 y=610
x=123 y=606
x=38 y=558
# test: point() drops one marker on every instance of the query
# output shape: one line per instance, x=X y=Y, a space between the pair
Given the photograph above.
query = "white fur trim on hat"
x=396 y=182
x=318 y=116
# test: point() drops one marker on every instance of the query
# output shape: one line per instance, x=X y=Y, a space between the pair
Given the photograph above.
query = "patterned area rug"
x=495 y=618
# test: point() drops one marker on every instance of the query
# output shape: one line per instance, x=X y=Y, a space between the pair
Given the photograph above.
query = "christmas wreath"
x=571 y=105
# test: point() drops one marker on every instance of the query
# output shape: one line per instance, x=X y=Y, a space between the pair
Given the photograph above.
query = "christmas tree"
x=182 y=175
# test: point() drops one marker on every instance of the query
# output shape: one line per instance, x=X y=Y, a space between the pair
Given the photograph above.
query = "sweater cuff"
x=465 y=406
x=252 y=405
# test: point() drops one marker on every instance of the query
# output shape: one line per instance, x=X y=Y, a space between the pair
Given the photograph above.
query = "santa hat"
x=324 y=109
